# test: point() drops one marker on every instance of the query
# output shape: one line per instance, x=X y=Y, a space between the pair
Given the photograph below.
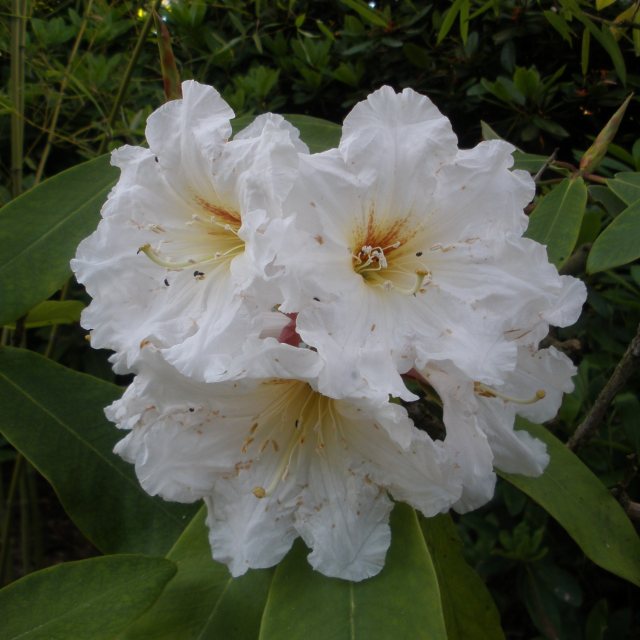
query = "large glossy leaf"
x=583 y=506
x=626 y=186
x=92 y=599
x=54 y=416
x=619 y=243
x=403 y=601
x=51 y=312
x=557 y=218
x=40 y=230
x=469 y=610
x=530 y=162
x=203 y=601
x=318 y=134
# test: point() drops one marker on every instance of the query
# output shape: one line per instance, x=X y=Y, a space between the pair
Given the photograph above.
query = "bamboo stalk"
x=6 y=520
x=16 y=92
x=63 y=86
x=126 y=78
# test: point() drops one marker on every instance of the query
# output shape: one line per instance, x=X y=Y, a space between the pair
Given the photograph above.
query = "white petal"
x=343 y=518
x=257 y=126
x=465 y=441
x=546 y=370
x=514 y=451
x=244 y=531
x=509 y=276
x=185 y=134
x=412 y=467
x=478 y=196
x=191 y=209
x=402 y=139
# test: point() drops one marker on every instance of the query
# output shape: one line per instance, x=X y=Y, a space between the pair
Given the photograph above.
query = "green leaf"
x=557 y=218
x=318 y=134
x=418 y=56
x=403 y=601
x=449 y=19
x=559 y=24
x=549 y=126
x=90 y=599
x=469 y=610
x=203 y=601
x=577 y=499
x=597 y=621
x=464 y=21
x=54 y=417
x=527 y=81
x=488 y=132
x=584 y=52
x=610 y=202
x=591 y=225
x=626 y=186
x=365 y=11
x=603 y=4
x=52 y=312
x=619 y=243
x=541 y=605
x=530 y=162
x=40 y=230
x=608 y=43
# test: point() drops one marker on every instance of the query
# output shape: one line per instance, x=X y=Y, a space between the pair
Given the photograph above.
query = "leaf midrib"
x=88 y=444
x=86 y=603
x=43 y=237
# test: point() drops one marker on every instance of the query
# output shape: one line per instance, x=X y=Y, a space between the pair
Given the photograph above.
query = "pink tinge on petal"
x=289 y=334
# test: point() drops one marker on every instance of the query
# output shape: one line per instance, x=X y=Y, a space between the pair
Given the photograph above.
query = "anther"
x=487 y=392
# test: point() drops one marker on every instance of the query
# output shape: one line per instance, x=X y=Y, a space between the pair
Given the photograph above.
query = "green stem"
x=124 y=85
x=63 y=86
x=6 y=520
x=25 y=542
x=53 y=334
x=36 y=517
x=16 y=93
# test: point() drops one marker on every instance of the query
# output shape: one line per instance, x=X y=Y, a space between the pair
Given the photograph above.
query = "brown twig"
x=633 y=510
x=616 y=382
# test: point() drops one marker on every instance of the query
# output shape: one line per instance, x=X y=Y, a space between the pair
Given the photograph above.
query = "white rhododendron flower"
x=271 y=301
x=480 y=419
x=172 y=262
x=274 y=460
x=404 y=250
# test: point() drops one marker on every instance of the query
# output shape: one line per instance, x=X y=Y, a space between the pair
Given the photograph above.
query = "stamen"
x=297 y=438
x=155 y=257
x=282 y=471
x=374 y=256
x=223 y=225
x=389 y=285
x=487 y=392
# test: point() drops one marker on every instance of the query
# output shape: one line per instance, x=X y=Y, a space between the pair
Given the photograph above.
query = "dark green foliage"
x=543 y=75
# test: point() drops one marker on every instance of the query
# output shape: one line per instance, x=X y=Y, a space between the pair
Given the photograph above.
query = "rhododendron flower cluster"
x=276 y=306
